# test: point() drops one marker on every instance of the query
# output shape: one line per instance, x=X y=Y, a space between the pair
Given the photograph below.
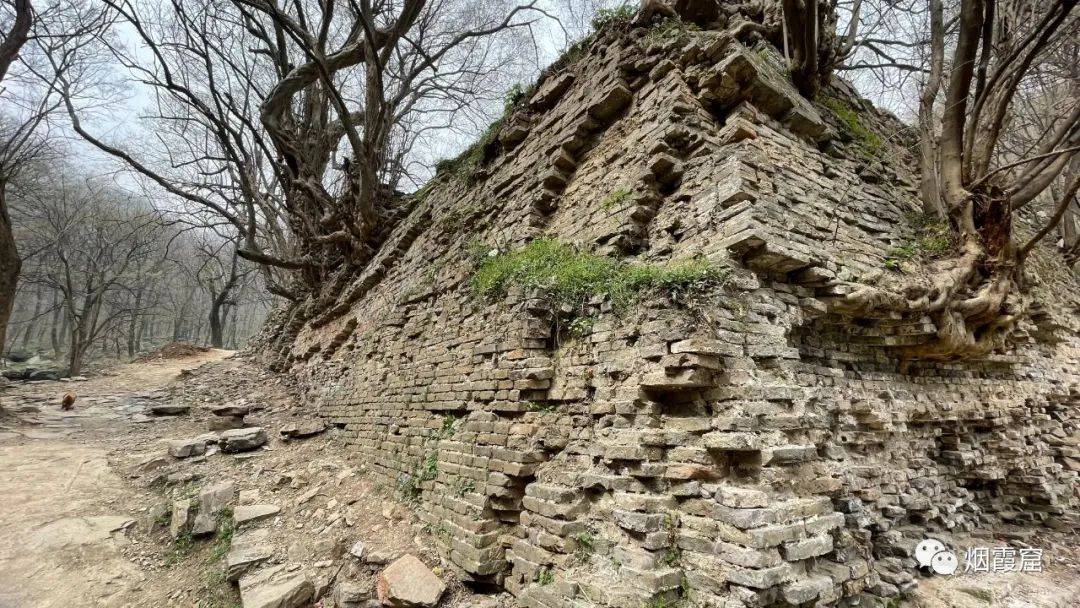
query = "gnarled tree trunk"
x=10 y=264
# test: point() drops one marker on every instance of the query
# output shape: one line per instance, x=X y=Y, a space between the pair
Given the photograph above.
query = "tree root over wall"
x=973 y=299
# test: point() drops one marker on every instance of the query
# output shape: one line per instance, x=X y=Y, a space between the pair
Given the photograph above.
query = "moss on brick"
x=853 y=125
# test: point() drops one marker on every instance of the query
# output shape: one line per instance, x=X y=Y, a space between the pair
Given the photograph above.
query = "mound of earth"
x=173 y=350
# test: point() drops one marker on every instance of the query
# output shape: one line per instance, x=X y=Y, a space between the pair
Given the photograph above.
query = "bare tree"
x=296 y=117
x=13 y=41
x=26 y=106
x=983 y=186
x=91 y=241
x=221 y=276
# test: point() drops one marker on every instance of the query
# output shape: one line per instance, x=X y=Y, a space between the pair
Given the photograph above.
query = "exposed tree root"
x=973 y=301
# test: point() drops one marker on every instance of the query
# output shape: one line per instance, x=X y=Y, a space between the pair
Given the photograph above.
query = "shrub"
x=570 y=277
x=606 y=17
x=517 y=94
x=670 y=30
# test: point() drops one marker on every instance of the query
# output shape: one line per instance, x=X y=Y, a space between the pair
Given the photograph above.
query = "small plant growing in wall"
x=407 y=488
x=517 y=94
x=572 y=278
x=617 y=198
x=447 y=429
x=933 y=239
x=613 y=16
x=464 y=486
x=542 y=408
x=671 y=558
x=430 y=469
x=586 y=546
x=670 y=30
x=545 y=576
x=585 y=540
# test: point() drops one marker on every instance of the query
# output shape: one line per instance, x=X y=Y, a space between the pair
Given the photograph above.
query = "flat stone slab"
x=408 y=583
x=231 y=410
x=276 y=587
x=247 y=550
x=169 y=409
x=184 y=448
x=302 y=429
x=224 y=423
x=76 y=531
x=251 y=513
x=242 y=440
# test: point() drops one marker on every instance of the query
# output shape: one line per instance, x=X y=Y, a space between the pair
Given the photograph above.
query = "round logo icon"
x=925 y=551
x=944 y=562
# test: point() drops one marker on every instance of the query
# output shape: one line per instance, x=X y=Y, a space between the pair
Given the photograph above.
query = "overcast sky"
x=118 y=121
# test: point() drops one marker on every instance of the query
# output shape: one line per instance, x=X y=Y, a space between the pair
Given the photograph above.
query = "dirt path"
x=67 y=515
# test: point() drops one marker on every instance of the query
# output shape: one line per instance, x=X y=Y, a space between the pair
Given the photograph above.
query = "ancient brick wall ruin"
x=756 y=449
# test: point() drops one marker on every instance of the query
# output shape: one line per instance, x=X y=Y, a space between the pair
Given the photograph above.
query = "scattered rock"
x=248 y=497
x=156 y=516
x=226 y=423
x=152 y=463
x=277 y=587
x=44 y=374
x=212 y=501
x=357 y=549
x=181 y=516
x=380 y=557
x=231 y=410
x=408 y=583
x=180 y=477
x=183 y=448
x=349 y=594
x=484 y=602
x=302 y=429
x=242 y=440
x=247 y=550
x=208 y=438
x=169 y=409
x=250 y=513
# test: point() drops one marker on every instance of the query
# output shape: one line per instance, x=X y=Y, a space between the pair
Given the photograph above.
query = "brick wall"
x=753 y=449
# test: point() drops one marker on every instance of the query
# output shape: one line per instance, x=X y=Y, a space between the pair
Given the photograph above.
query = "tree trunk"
x=217 y=302
x=143 y=325
x=32 y=321
x=929 y=182
x=10 y=265
x=133 y=325
x=230 y=341
x=75 y=355
x=60 y=336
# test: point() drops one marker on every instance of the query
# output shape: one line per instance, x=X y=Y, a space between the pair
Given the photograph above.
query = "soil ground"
x=82 y=493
